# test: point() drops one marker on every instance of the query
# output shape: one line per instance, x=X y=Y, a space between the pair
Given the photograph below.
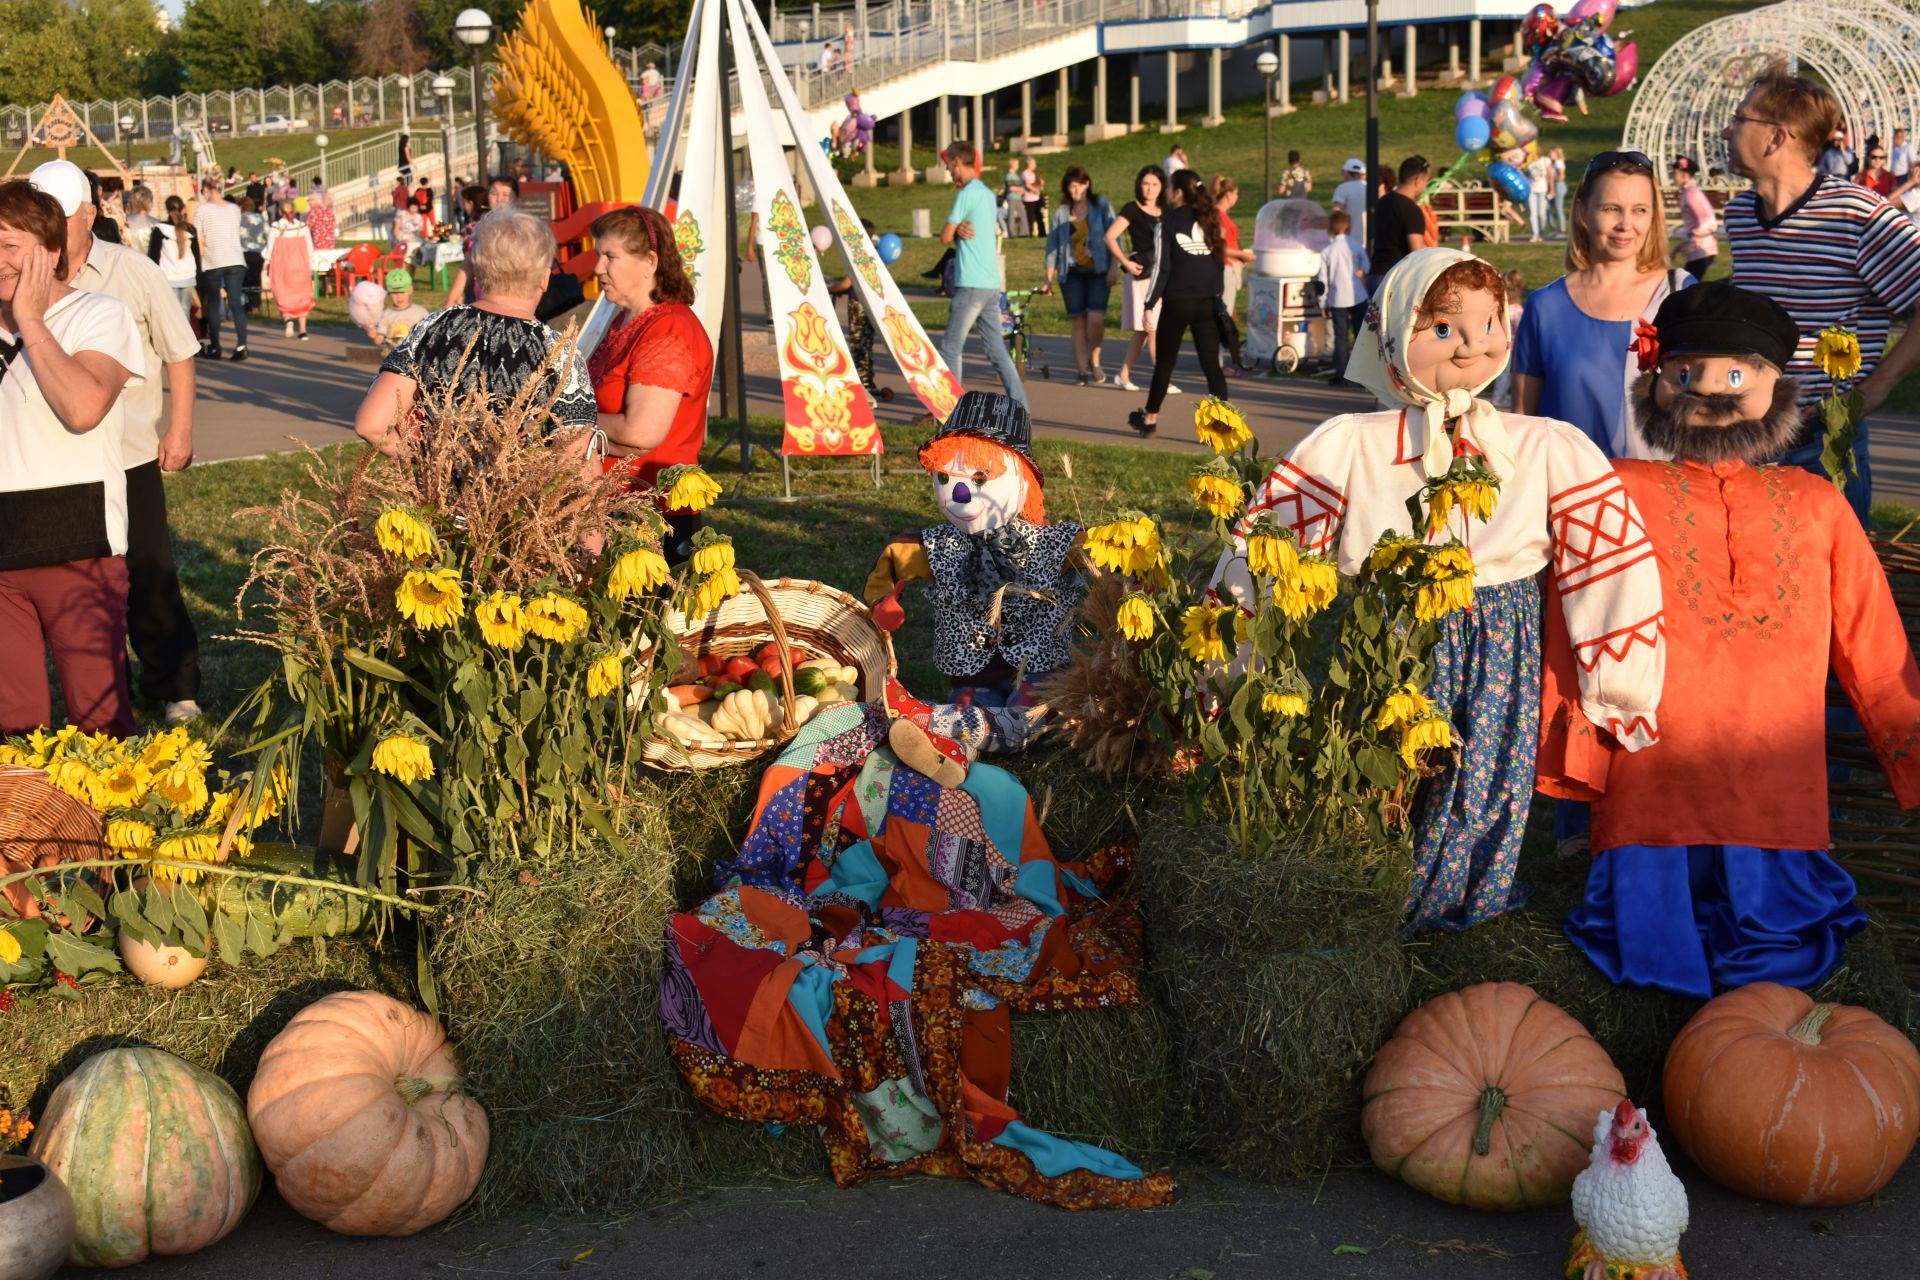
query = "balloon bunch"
x=1497 y=124
x=1575 y=55
x=888 y=245
x=855 y=133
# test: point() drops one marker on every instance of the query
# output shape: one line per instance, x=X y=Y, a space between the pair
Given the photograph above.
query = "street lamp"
x=1268 y=66
x=320 y=140
x=474 y=28
x=126 y=139
x=443 y=90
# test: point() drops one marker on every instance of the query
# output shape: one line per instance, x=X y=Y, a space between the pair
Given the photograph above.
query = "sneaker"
x=183 y=711
x=303 y=335
x=209 y=353
x=239 y=354
x=1138 y=421
x=1080 y=379
x=289 y=328
x=1095 y=378
x=1173 y=390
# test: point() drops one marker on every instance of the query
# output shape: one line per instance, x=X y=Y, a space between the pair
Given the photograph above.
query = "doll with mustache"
x=1711 y=864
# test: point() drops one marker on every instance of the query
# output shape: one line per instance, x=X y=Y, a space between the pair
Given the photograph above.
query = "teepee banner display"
x=699 y=226
x=926 y=372
x=827 y=410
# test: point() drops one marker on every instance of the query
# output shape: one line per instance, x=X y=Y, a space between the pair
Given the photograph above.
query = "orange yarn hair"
x=968 y=454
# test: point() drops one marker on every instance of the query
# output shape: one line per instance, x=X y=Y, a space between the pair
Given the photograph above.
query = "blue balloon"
x=1513 y=184
x=889 y=245
x=1472 y=134
x=1472 y=103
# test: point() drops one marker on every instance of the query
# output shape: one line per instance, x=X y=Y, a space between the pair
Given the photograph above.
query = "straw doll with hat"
x=1506 y=496
x=1002 y=580
x=1711 y=864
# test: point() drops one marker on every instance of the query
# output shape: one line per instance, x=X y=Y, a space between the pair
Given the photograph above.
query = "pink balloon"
x=1626 y=66
x=1601 y=11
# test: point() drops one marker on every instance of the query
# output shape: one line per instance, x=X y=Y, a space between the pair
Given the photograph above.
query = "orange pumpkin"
x=1791 y=1101
x=1486 y=1097
x=358 y=1110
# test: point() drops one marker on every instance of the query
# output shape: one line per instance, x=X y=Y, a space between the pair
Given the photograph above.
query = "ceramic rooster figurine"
x=1632 y=1211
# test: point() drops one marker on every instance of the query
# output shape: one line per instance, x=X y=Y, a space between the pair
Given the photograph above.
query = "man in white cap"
x=158 y=624
x=1351 y=195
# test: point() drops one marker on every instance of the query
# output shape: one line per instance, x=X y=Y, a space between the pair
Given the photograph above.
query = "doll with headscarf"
x=1435 y=336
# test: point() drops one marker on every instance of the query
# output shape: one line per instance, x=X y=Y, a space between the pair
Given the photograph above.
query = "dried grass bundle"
x=1102 y=701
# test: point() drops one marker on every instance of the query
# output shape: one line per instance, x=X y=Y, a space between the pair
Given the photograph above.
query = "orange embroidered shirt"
x=1768 y=579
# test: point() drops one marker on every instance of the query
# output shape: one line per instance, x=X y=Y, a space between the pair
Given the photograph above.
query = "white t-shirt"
x=38 y=452
x=1540 y=174
x=1173 y=165
x=177 y=263
x=219 y=228
x=1351 y=195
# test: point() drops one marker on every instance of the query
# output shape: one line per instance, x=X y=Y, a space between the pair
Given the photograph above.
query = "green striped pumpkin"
x=156 y=1152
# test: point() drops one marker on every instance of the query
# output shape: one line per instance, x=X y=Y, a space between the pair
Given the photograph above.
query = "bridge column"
x=1412 y=61
x=1453 y=52
x=1062 y=102
x=942 y=135
x=1133 y=95
x=1473 y=51
x=981 y=139
x=1173 y=124
x=1343 y=61
x=867 y=177
x=1099 y=129
x=1283 y=82
x=1026 y=113
x=1216 y=59
x=904 y=175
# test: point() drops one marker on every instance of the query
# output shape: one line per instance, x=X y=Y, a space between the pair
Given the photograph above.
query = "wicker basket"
x=823 y=621
x=40 y=825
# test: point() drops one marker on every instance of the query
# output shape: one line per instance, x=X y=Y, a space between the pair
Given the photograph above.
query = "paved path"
x=290 y=390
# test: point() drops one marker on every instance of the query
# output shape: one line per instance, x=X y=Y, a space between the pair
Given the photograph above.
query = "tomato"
x=712 y=664
x=740 y=668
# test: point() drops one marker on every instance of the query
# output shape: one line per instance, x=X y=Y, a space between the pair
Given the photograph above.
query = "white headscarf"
x=1377 y=365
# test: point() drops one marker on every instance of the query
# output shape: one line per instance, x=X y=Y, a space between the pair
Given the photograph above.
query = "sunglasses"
x=1618 y=160
x=1878 y=155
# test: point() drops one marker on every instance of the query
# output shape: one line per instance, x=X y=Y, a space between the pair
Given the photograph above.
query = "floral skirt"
x=1470 y=820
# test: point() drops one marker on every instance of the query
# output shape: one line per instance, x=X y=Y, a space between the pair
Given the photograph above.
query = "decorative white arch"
x=1867 y=51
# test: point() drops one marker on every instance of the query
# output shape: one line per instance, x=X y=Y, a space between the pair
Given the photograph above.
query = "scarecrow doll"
x=1710 y=850
x=1003 y=582
x=1505 y=496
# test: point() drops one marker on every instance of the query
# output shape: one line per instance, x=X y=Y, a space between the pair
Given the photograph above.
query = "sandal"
x=1138 y=421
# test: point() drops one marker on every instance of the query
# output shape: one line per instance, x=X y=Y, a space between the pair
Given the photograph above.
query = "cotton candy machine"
x=1288 y=236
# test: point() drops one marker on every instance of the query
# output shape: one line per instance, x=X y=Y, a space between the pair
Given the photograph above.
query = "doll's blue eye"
x=939 y=477
x=1443 y=330
x=1685 y=376
x=1736 y=376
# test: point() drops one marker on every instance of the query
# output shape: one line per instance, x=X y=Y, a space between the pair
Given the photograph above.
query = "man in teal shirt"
x=971 y=228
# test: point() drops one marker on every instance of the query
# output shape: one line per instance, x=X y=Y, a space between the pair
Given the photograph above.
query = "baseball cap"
x=399 y=280
x=1354 y=164
x=66 y=182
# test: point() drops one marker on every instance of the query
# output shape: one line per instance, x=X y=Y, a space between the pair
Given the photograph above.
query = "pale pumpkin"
x=1486 y=1097
x=155 y=1152
x=359 y=1111
x=1787 y=1100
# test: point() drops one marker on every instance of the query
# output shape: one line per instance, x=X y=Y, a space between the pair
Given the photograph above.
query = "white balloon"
x=822 y=238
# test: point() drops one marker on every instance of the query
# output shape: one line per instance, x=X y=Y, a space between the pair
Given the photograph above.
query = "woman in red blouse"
x=652 y=372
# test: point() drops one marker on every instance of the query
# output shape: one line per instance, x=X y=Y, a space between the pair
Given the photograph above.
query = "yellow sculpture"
x=557 y=89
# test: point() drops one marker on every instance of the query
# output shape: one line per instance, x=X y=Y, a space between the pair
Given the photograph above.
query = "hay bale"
x=221 y=1022
x=1280 y=976
x=1104 y=1076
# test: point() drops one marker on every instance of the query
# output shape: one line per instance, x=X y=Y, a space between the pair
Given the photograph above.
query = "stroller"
x=1013 y=327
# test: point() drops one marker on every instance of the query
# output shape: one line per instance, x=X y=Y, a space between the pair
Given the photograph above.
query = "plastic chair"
x=359 y=264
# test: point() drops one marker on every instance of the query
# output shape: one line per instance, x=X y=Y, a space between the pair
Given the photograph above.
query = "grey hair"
x=512 y=252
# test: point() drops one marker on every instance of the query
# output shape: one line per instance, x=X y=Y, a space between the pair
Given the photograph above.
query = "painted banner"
x=827 y=410
x=699 y=225
x=919 y=359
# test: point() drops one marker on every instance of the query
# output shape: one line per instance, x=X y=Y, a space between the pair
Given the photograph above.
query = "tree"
x=219 y=44
x=389 y=39
x=290 y=49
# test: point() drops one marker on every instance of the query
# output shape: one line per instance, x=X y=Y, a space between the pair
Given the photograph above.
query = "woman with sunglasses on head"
x=1189 y=271
x=1571 y=354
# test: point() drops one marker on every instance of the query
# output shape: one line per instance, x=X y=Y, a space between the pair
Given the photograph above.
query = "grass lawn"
x=832 y=533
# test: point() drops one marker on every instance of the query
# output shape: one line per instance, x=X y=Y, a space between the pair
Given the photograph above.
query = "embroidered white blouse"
x=1348 y=483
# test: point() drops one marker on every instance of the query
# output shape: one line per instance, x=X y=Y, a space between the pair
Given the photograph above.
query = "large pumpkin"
x=1791 y=1101
x=358 y=1110
x=1486 y=1097
x=155 y=1152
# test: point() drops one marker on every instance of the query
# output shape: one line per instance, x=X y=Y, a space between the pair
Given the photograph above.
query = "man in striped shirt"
x=1830 y=252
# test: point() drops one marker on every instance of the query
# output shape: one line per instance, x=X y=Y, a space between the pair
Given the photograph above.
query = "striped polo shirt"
x=1839 y=255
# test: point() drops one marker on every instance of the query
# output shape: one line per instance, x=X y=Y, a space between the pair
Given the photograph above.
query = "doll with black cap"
x=1711 y=864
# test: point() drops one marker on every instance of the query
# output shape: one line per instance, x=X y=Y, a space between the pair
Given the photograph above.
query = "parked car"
x=279 y=124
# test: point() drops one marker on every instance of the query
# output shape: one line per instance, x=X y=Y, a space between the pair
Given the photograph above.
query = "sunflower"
x=503 y=624
x=163 y=749
x=402 y=533
x=77 y=778
x=1135 y=617
x=554 y=617
x=1446 y=562
x=1130 y=544
x=273 y=797
x=688 y=488
x=603 y=677
x=1402 y=705
x=1220 y=426
x=404 y=757
x=431 y=598
x=220 y=808
x=1435 y=600
x=717 y=587
x=1209 y=631
x=190 y=846
x=1311 y=587
x=10 y=953
x=1837 y=352
x=124 y=786
x=641 y=569
x=1473 y=498
x=1217 y=489
x=712 y=557
x=1394 y=553
x=184 y=786
x=1271 y=555
x=1431 y=730
x=129 y=835
x=1285 y=705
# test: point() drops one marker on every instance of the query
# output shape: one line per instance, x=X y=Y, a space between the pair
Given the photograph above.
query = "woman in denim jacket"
x=1077 y=258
